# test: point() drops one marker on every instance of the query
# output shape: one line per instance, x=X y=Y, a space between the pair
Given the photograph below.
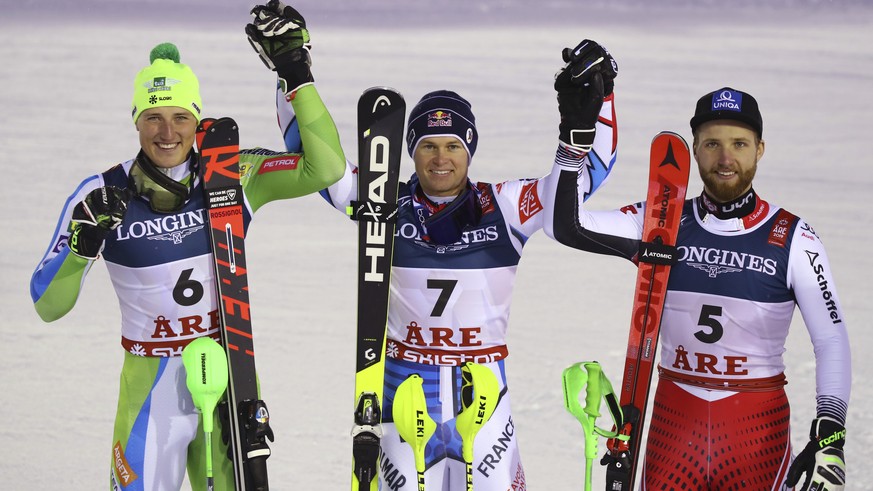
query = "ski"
x=246 y=416
x=381 y=113
x=669 y=167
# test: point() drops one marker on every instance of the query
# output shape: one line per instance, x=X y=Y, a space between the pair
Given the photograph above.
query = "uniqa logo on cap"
x=727 y=99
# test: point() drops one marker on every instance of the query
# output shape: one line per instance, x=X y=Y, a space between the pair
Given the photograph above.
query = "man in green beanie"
x=146 y=217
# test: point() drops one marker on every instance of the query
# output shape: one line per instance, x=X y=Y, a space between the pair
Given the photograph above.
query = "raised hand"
x=278 y=34
x=581 y=85
x=101 y=211
x=587 y=59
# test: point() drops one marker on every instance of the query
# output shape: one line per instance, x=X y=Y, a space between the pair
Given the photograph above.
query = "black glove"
x=822 y=460
x=581 y=85
x=101 y=211
x=588 y=58
x=278 y=34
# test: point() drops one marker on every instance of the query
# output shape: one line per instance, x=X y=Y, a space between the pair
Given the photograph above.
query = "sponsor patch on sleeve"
x=781 y=228
x=284 y=162
x=62 y=242
x=529 y=202
x=633 y=209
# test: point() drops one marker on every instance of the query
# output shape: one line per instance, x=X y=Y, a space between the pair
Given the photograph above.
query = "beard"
x=724 y=192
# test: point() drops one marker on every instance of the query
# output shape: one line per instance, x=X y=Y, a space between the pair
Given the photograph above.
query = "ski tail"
x=669 y=168
x=381 y=113
x=247 y=418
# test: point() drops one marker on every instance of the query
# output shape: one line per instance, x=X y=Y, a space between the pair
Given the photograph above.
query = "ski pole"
x=206 y=368
x=588 y=376
x=479 y=394
x=412 y=420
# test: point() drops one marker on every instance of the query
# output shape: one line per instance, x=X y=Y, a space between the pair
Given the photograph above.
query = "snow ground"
x=67 y=68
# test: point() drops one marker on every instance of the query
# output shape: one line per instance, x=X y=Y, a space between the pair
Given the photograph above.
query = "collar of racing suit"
x=737 y=208
x=163 y=193
x=444 y=223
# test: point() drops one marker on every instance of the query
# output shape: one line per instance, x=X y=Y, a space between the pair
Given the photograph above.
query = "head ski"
x=381 y=112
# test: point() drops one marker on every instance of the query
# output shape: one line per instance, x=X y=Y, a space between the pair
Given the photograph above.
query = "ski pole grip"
x=574 y=380
x=594 y=390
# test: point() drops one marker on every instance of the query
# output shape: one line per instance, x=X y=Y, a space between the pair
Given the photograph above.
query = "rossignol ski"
x=669 y=166
x=381 y=112
x=246 y=415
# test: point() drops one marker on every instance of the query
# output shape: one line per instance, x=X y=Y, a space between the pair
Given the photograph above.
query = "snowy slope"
x=67 y=68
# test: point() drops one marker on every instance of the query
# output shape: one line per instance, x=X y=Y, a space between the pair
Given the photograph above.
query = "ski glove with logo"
x=822 y=460
x=582 y=84
x=278 y=34
x=101 y=211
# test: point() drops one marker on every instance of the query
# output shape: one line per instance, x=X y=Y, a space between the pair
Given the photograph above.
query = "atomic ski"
x=246 y=416
x=380 y=143
x=669 y=166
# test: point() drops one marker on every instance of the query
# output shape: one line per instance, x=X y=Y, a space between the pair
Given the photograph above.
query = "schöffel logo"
x=439 y=118
x=727 y=100
x=822 y=276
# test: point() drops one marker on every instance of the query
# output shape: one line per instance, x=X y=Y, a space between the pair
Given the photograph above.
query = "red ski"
x=244 y=413
x=669 y=166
